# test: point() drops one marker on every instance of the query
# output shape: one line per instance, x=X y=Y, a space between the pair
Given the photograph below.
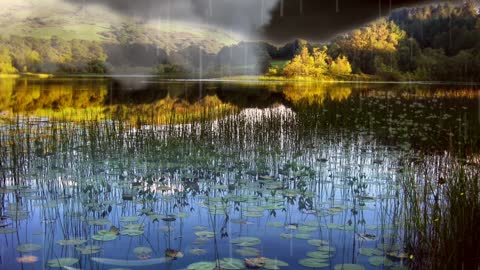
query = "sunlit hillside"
x=47 y=18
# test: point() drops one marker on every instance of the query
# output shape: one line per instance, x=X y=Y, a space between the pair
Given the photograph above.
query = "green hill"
x=47 y=18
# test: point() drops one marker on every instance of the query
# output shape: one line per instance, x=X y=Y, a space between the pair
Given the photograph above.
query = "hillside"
x=47 y=18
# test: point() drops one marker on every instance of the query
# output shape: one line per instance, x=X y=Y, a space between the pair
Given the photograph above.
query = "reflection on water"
x=273 y=177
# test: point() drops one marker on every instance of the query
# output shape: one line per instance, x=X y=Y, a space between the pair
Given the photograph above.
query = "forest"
x=438 y=42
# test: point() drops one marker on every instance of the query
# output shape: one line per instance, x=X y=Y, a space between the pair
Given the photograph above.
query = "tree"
x=341 y=66
x=33 y=61
x=300 y=65
x=6 y=66
x=376 y=42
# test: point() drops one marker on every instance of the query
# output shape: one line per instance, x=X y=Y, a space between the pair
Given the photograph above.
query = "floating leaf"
x=313 y=263
x=142 y=250
x=99 y=222
x=88 y=250
x=349 y=267
x=201 y=266
x=286 y=235
x=28 y=248
x=248 y=252
x=312 y=223
x=61 y=262
x=71 y=242
x=128 y=219
x=275 y=224
x=319 y=254
x=205 y=234
x=245 y=241
x=317 y=242
x=104 y=236
x=197 y=251
x=131 y=232
x=306 y=229
x=274 y=264
x=231 y=264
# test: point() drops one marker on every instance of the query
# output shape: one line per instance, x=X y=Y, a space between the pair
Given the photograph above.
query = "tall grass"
x=442 y=203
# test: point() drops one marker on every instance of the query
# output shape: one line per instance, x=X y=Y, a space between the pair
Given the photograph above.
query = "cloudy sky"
x=274 y=20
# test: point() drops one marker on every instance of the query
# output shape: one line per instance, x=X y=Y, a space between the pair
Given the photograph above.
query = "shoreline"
x=231 y=79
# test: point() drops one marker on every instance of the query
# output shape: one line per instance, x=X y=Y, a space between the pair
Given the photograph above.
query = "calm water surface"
x=97 y=174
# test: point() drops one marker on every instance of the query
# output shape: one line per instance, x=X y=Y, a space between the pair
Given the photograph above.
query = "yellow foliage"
x=308 y=65
x=341 y=66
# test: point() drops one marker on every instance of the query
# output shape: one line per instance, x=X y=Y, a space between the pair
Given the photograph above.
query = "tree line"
x=438 y=42
x=435 y=42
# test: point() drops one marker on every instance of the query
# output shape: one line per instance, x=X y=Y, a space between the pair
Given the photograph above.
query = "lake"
x=154 y=174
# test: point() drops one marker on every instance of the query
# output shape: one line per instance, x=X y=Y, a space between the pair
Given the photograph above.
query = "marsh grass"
x=442 y=205
x=429 y=202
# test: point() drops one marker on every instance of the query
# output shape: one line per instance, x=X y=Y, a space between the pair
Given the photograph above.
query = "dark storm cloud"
x=320 y=19
x=275 y=20
x=245 y=16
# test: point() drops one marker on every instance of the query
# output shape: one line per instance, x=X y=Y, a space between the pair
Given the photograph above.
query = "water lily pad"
x=349 y=266
x=205 y=234
x=253 y=214
x=313 y=263
x=319 y=254
x=274 y=264
x=61 y=262
x=128 y=219
x=248 y=252
x=142 y=250
x=198 y=251
x=245 y=241
x=231 y=264
x=312 y=223
x=88 y=250
x=28 y=248
x=99 y=222
x=306 y=229
x=131 y=232
x=71 y=242
x=104 y=236
x=201 y=266
x=275 y=224
x=317 y=242
x=286 y=235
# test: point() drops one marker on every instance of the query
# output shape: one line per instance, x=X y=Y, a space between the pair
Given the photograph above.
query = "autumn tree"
x=341 y=66
x=6 y=66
